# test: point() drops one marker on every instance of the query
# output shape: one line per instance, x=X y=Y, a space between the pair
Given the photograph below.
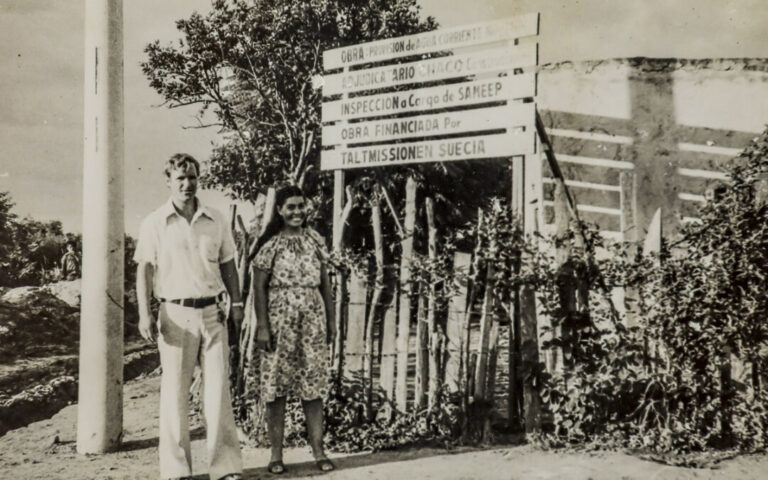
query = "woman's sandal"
x=276 y=468
x=325 y=465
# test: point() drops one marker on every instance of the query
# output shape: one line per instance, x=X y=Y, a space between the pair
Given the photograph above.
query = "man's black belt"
x=200 y=302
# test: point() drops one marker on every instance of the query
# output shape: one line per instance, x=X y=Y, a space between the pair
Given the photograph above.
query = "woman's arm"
x=263 y=333
x=325 y=292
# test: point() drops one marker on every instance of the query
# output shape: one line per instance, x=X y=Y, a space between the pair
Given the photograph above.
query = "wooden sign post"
x=100 y=391
x=461 y=93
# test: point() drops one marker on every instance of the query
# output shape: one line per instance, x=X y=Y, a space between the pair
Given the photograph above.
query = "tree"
x=249 y=65
x=7 y=219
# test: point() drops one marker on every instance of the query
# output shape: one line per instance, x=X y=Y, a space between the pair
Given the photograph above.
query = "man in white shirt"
x=185 y=253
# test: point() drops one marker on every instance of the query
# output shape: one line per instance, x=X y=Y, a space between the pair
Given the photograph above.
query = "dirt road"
x=46 y=450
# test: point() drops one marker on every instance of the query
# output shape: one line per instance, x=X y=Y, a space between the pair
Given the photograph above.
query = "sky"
x=41 y=80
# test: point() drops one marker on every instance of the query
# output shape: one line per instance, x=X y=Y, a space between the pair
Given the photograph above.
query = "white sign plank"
x=466 y=148
x=442 y=68
x=446 y=123
x=436 y=40
x=432 y=98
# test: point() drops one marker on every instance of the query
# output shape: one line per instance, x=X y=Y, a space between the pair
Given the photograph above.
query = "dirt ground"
x=46 y=450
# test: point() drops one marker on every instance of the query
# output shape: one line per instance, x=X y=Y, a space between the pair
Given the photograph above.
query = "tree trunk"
x=435 y=341
x=473 y=281
x=493 y=352
x=404 y=316
x=486 y=323
x=529 y=352
x=339 y=225
x=558 y=358
x=388 y=350
x=354 y=343
x=514 y=388
x=422 y=353
x=374 y=310
x=454 y=329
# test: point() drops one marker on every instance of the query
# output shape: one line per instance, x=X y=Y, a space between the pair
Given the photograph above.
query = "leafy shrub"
x=347 y=429
x=390 y=429
x=665 y=385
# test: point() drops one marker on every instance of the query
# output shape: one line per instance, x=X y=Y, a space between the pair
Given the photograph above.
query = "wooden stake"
x=355 y=339
x=404 y=314
x=529 y=352
x=339 y=224
x=457 y=307
x=374 y=311
x=388 y=350
x=486 y=322
x=467 y=372
x=493 y=354
x=557 y=357
x=422 y=353
x=435 y=341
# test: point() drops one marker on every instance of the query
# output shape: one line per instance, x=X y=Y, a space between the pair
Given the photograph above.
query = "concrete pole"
x=100 y=395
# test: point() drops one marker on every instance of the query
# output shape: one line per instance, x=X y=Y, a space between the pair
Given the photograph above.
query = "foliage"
x=689 y=375
x=682 y=369
x=249 y=67
x=347 y=430
x=390 y=429
x=30 y=250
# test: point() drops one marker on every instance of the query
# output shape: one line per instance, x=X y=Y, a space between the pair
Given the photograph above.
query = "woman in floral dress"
x=295 y=323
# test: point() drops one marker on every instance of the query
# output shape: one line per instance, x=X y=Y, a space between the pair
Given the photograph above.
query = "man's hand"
x=237 y=314
x=264 y=339
x=147 y=328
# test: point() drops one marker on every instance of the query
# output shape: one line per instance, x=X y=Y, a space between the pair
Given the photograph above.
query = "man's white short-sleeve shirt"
x=185 y=255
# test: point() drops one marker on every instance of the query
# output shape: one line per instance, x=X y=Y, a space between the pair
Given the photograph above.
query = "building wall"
x=635 y=135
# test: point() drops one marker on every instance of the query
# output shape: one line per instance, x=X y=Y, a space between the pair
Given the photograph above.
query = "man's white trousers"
x=186 y=335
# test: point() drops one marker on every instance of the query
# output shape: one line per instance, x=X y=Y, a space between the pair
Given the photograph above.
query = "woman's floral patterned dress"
x=299 y=366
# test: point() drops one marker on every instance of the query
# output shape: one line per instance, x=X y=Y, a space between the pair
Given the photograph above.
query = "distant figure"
x=70 y=263
x=185 y=254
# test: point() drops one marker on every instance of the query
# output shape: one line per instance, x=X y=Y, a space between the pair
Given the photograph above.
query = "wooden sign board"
x=432 y=98
x=464 y=148
x=433 y=41
x=479 y=104
x=451 y=66
x=464 y=121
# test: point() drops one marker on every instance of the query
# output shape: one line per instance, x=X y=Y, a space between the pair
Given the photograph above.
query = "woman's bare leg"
x=276 y=427
x=313 y=410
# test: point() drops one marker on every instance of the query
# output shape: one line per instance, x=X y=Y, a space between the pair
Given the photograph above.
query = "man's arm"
x=232 y=284
x=144 y=275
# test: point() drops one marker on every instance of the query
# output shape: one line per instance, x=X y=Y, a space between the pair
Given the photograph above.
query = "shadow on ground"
x=144 y=443
x=352 y=461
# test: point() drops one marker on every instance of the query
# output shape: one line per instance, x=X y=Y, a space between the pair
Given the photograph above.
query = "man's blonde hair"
x=181 y=161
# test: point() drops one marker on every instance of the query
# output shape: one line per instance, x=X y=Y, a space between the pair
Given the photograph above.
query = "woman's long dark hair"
x=276 y=222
